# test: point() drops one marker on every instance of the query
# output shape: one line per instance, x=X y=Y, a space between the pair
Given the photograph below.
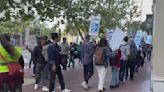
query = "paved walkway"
x=74 y=77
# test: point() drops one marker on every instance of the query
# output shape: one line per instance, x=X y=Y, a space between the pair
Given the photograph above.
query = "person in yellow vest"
x=10 y=54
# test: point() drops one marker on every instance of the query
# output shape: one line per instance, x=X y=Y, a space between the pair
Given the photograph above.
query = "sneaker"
x=100 y=90
x=33 y=75
x=36 y=86
x=112 y=87
x=84 y=85
x=66 y=90
x=45 y=89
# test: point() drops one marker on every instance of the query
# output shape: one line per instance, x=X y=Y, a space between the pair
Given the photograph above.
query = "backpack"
x=113 y=57
x=99 y=55
x=133 y=53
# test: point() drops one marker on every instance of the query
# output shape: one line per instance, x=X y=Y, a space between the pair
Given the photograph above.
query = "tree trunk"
x=78 y=29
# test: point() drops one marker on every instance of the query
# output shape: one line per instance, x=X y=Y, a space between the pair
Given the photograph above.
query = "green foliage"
x=74 y=13
x=11 y=28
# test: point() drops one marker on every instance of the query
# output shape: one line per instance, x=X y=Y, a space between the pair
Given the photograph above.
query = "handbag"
x=15 y=69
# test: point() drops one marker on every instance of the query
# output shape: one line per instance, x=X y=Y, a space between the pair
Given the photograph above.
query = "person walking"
x=64 y=49
x=32 y=60
x=40 y=64
x=54 y=64
x=132 y=60
x=87 y=52
x=72 y=55
x=125 y=51
x=102 y=61
x=11 y=66
x=115 y=66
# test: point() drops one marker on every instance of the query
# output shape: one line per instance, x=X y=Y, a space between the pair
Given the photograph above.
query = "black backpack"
x=113 y=57
x=133 y=52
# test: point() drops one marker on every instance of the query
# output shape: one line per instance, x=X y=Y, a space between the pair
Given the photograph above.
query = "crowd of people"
x=50 y=58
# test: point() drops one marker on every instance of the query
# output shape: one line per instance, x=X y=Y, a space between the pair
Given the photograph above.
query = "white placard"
x=94 y=25
x=138 y=38
x=117 y=39
x=149 y=39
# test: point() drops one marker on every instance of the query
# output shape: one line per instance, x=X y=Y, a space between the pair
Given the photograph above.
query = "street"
x=74 y=77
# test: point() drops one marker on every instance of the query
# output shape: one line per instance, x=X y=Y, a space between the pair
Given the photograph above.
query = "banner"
x=116 y=39
x=94 y=25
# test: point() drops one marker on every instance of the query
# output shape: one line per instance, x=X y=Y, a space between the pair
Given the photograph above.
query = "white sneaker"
x=84 y=85
x=36 y=86
x=45 y=89
x=66 y=90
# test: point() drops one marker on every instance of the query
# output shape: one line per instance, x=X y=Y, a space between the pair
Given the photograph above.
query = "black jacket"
x=37 y=55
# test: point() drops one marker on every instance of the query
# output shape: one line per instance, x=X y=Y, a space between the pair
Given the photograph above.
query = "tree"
x=12 y=28
x=132 y=13
x=74 y=12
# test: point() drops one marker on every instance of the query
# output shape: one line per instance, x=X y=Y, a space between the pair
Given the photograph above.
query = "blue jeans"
x=122 y=70
x=115 y=76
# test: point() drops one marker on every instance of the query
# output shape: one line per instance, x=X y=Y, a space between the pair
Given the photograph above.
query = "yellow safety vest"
x=3 y=66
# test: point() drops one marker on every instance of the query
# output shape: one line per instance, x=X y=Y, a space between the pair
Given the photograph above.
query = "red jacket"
x=118 y=59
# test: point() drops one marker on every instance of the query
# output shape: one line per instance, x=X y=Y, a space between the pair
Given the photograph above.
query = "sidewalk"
x=74 y=77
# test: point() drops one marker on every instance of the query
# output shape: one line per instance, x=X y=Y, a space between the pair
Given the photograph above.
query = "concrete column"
x=158 y=47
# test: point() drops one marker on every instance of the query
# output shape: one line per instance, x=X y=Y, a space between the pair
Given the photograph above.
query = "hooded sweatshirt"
x=125 y=51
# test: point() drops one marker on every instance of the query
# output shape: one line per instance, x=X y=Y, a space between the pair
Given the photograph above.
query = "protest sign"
x=94 y=25
x=117 y=39
x=149 y=39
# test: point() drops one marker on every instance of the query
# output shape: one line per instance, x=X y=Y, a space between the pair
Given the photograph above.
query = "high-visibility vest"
x=3 y=66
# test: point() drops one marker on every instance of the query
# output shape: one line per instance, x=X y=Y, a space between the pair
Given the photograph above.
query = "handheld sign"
x=149 y=39
x=117 y=39
x=94 y=25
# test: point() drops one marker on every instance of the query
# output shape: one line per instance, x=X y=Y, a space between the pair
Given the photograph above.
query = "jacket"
x=125 y=51
x=106 y=55
x=5 y=54
x=38 y=55
x=118 y=63
x=64 y=49
x=87 y=52
x=53 y=54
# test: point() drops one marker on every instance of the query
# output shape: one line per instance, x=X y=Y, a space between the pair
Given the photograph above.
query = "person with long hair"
x=40 y=64
x=102 y=67
x=10 y=55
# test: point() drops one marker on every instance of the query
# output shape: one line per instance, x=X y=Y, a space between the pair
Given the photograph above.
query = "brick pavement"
x=74 y=77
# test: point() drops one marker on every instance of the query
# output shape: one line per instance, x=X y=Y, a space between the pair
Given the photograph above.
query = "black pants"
x=64 y=61
x=131 y=67
x=88 y=71
x=53 y=77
